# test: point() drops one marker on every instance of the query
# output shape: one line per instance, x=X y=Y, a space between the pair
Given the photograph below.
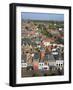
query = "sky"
x=42 y=16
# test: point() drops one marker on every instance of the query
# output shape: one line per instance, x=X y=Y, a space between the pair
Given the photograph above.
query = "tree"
x=43 y=30
x=60 y=41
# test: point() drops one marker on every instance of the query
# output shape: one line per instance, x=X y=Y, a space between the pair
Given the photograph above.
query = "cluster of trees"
x=56 y=25
x=44 y=31
x=60 y=41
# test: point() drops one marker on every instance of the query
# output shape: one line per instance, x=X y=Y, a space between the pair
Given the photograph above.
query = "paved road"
x=32 y=73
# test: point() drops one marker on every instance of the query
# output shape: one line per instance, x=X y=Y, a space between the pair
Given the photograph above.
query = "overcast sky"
x=42 y=16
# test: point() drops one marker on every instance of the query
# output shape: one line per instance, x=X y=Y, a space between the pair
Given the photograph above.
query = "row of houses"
x=42 y=57
x=38 y=51
x=50 y=65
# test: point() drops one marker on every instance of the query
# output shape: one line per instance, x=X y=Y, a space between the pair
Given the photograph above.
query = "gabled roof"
x=49 y=57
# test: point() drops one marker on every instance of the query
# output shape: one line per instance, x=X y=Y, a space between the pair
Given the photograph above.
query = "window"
x=59 y=64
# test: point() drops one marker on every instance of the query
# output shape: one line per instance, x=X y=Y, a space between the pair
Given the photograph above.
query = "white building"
x=24 y=65
x=42 y=66
x=60 y=29
x=47 y=43
x=60 y=64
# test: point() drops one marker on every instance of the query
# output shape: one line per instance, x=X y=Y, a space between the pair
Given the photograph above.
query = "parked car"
x=46 y=67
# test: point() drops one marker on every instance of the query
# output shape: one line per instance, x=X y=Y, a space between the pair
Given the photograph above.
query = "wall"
x=4 y=44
